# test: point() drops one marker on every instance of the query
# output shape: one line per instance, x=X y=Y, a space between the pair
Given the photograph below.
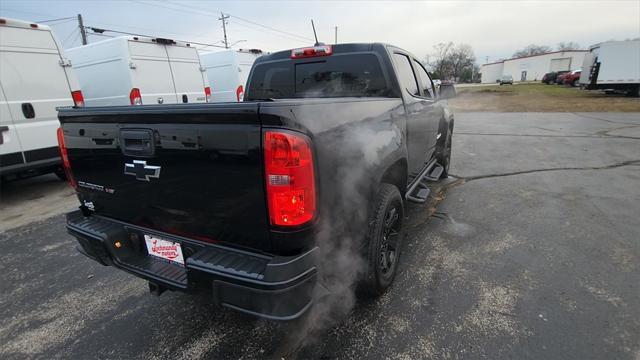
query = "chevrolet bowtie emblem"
x=141 y=170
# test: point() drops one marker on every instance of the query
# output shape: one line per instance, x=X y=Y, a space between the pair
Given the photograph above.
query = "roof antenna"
x=314 y=33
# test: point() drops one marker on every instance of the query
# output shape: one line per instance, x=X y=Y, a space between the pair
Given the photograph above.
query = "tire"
x=384 y=241
x=443 y=151
x=61 y=174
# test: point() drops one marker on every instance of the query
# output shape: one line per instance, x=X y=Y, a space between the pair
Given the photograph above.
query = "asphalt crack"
x=601 y=136
x=488 y=176
x=602 y=119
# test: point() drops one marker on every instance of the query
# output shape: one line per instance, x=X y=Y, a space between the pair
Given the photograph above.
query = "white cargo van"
x=35 y=79
x=228 y=72
x=613 y=65
x=135 y=70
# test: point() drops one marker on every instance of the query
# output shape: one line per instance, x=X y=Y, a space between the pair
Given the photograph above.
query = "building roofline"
x=528 y=56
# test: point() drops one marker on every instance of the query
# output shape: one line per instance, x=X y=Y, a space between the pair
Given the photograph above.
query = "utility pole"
x=336 y=35
x=83 y=31
x=224 y=28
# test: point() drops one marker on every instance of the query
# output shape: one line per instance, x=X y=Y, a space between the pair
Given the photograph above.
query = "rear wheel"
x=61 y=174
x=384 y=241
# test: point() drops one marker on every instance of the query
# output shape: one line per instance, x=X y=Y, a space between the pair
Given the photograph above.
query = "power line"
x=54 y=20
x=252 y=22
x=100 y=31
x=251 y=27
x=208 y=13
x=29 y=12
x=68 y=36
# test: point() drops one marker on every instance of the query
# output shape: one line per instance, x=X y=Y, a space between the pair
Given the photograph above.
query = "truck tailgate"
x=188 y=170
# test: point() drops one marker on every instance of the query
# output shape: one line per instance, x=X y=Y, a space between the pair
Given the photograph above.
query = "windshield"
x=350 y=75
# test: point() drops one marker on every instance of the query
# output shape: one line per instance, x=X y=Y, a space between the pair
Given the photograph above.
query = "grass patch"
x=537 y=97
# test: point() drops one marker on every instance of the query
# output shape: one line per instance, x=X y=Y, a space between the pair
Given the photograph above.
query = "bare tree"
x=448 y=61
x=462 y=57
x=531 y=49
x=570 y=45
x=439 y=59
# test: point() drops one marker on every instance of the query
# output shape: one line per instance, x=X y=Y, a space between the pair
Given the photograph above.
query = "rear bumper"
x=273 y=287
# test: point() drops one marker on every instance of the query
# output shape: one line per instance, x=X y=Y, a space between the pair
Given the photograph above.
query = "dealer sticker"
x=164 y=249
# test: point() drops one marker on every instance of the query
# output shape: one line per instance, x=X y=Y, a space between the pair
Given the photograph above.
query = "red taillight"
x=239 y=93
x=78 y=99
x=291 y=193
x=34 y=26
x=135 y=97
x=321 y=50
x=207 y=94
x=66 y=165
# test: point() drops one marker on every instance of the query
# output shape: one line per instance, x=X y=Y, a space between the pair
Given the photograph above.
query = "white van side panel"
x=151 y=73
x=31 y=74
x=10 y=143
x=188 y=78
x=102 y=71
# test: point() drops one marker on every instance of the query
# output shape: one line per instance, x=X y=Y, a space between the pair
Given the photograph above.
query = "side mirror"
x=447 y=91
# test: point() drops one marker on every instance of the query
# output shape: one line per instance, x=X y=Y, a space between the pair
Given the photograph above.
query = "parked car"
x=552 y=77
x=572 y=78
x=35 y=79
x=329 y=144
x=506 y=79
x=227 y=72
x=561 y=76
x=135 y=70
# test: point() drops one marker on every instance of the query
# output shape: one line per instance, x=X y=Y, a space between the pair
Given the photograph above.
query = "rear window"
x=357 y=75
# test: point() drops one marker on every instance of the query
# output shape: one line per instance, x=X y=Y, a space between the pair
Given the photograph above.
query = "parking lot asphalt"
x=532 y=251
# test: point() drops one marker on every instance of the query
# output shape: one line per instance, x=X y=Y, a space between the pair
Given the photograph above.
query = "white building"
x=532 y=68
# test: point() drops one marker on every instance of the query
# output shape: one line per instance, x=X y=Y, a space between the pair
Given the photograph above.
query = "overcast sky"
x=495 y=29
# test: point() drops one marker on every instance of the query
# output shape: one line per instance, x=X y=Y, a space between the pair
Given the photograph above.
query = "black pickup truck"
x=248 y=201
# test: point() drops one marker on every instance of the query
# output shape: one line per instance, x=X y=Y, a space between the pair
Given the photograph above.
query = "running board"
x=419 y=191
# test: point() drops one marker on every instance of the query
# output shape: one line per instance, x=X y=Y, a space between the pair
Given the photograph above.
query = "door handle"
x=2 y=130
x=28 y=111
x=137 y=142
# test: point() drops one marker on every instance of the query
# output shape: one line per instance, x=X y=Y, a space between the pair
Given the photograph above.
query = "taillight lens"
x=240 y=93
x=207 y=94
x=66 y=165
x=78 y=99
x=291 y=193
x=135 y=97
x=320 y=50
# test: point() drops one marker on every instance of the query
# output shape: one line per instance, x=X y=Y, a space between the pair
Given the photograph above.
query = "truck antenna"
x=314 y=33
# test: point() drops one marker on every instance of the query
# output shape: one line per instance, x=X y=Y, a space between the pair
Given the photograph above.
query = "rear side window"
x=356 y=75
x=427 y=90
x=405 y=75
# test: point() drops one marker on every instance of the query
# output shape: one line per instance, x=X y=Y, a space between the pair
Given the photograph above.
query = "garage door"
x=560 y=64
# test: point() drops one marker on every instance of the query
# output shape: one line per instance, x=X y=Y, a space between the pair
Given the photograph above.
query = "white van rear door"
x=187 y=76
x=34 y=85
x=151 y=73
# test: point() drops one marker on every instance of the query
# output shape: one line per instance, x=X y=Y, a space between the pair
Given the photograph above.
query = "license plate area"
x=164 y=249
